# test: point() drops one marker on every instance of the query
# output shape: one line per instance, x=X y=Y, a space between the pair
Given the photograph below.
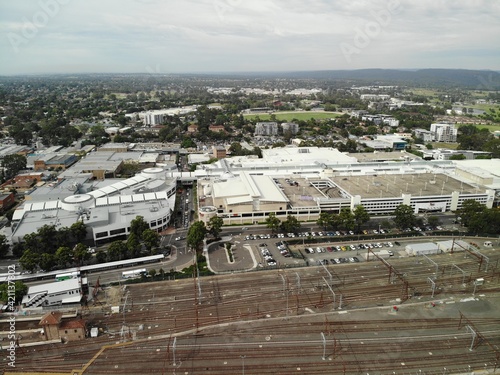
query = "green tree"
x=196 y=234
x=361 y=216
x=404 y=216
x=324 y=220
x=117 y=251
x=78 y=231
x=214 y=226
x=81 y=254
x=29 y=260
x=272 y=222
x=12 y=164
x=152 y=272
x=493 y=146
x=471 y=212
x=138 y=225
x=291 y=224
x=133 y=245
x=151 y=239
x=188 y=143
x=491 y=220
x=46 y=235
x=100 y=256
x=433 y=221
x=47 y=261
x=346 y=218
x=457 y=157
x=20 y=289
x=64 y=256
x=4 y=246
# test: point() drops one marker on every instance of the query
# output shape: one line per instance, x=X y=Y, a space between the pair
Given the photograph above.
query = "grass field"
x=491 y=128
x=289 y=116
x=449 y=146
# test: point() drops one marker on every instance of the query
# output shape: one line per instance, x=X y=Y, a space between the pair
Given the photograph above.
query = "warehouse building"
x=428 y=248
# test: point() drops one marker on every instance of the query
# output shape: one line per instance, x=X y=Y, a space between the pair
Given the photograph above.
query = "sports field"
x=289 y=116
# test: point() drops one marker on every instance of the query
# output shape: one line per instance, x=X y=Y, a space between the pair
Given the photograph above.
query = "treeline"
x=49 y=248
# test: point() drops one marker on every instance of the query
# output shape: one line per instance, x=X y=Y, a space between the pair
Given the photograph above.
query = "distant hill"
x=475 y=79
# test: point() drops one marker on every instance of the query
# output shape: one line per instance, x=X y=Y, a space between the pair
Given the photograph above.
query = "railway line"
x=274 y=321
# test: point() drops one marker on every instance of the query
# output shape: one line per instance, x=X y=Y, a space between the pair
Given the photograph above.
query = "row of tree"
x=49 y=248
x=477 y=218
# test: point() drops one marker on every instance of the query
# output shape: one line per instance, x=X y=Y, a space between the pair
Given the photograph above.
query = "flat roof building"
x=106 y=210
x=57 y=293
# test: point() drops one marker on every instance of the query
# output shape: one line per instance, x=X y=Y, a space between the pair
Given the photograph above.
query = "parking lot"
x=328 y=248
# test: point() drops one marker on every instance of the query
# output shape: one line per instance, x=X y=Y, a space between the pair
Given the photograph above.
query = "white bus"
x=132 y=274
x=67 y=276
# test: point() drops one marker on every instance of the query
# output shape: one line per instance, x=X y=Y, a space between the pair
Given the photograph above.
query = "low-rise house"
x=55 y=328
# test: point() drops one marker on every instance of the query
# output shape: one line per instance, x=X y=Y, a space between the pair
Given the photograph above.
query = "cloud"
x=217 y=35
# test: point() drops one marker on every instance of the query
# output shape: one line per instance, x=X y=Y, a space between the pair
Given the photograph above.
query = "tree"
x=404 y=216
x=196 y=234
x=291 y=224
x=100 y=256
x=117 y=251
x=47 y=261
x=12 y=164
x=151 y=239
x=20 y=289
x=152 y=273
x=64 y=256
x=78 y=231
x=214 y=226
x=4 y=246
x=81 y=254
x=346 y=218
x=29 y=260
x=433 y=221
x=324 y=220
x=133 y=245
x=272 y=222
x=188 y=143
x=46 y=235
x=470 y=211
x=361 y=216
x=493 y=146
x=138 y=225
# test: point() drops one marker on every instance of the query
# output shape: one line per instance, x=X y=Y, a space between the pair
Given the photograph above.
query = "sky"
x=205 y=36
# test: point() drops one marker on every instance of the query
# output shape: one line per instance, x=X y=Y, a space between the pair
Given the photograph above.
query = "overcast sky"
x=183 y=36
